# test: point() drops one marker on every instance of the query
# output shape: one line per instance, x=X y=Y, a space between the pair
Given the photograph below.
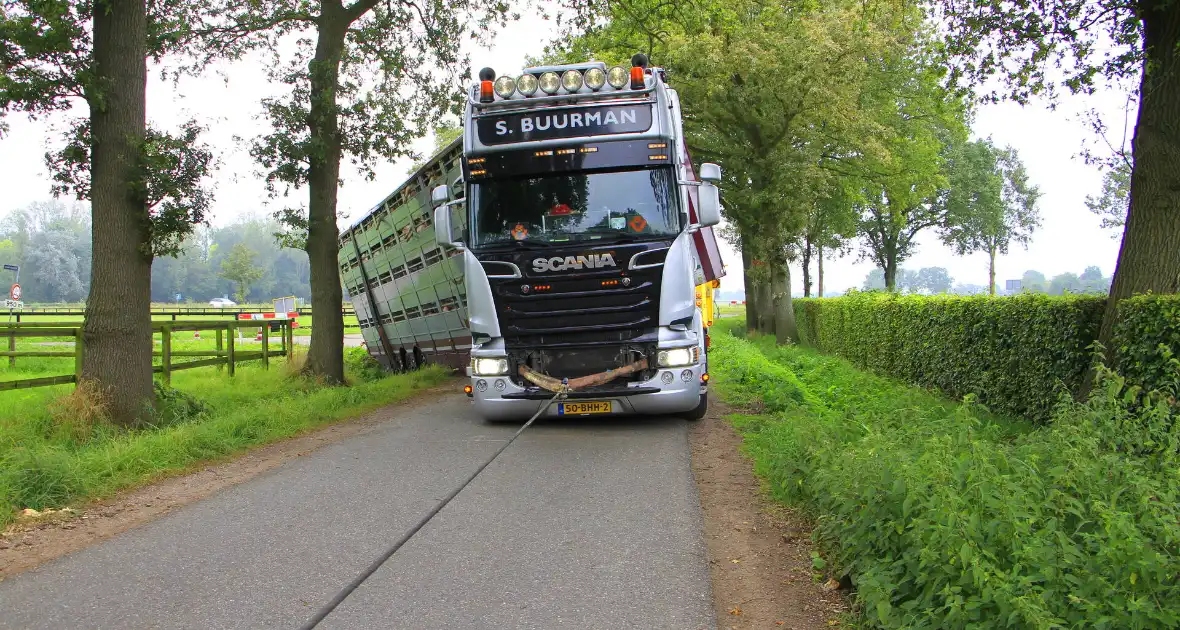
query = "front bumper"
x=652 y=397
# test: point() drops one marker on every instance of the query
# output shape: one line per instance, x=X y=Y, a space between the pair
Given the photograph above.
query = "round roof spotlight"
x=487 y=74
x=639 y=61
x=526 y=84
x=550 y=82
x=618 y=77
x=595 y=79
x=505 y=86
x=571 y=80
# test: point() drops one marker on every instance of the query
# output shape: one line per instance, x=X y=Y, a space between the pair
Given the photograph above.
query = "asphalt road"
x=351 y=340
x=591 y=524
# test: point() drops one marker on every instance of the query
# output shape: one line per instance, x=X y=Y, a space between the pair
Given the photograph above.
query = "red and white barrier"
x=291 y=315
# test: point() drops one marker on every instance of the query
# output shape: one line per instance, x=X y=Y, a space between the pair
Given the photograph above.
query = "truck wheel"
x=700 y=411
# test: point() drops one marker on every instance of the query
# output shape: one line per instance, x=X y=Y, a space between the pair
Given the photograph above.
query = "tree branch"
x=359 y=8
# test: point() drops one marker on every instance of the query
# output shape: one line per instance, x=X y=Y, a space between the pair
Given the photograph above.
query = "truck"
x=573 y=249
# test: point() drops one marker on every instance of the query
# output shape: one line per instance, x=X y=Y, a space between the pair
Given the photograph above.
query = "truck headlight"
x=489 y=367
x=677 y=357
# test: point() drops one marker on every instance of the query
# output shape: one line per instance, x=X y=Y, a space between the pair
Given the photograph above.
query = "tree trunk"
x=991 y=271
x=765 y=307
x=750 y=293
x=819 y=271
x=117 y=332
x=1149 y=258
x=807 y=267
x=890 y=270
x=325 y=356
x=786 y=331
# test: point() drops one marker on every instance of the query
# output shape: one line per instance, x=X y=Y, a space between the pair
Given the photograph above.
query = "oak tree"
x=989 y=203
x=57 y=55
x=239 y=268
x=920 y=122
x=363 y=80
x=1085 y=46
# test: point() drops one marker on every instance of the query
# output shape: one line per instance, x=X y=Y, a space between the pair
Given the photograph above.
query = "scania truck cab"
x=584 y=233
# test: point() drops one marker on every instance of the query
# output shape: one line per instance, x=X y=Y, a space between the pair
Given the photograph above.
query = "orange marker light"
x=705 y=377
x=637 y=78
x=467 y=389
x=485 y=92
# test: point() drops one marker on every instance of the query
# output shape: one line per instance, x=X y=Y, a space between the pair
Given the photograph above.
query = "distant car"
x=222 y=303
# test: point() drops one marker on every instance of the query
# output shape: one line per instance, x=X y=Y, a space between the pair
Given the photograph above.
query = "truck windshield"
x=578 y=207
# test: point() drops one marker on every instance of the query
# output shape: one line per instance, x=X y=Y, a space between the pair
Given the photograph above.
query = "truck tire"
x=700 y=411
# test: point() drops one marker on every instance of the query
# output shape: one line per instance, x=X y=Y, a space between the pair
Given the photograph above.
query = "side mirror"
x=711 y=173
x=442 y=225
x=439 y=196
x=709 y=208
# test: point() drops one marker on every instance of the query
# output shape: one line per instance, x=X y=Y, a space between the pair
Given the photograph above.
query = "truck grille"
x=578 y=311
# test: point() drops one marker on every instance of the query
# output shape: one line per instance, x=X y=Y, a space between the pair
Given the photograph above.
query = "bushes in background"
x=947 y=516
x=1016 y=354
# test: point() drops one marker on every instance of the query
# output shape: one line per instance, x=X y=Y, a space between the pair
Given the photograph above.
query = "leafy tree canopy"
x=46 y=53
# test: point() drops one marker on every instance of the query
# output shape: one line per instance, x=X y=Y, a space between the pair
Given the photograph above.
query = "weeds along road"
x=589 y=524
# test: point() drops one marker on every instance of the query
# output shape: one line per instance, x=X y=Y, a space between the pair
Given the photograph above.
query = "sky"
x=227 y=101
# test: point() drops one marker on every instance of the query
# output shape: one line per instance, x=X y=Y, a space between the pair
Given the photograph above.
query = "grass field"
x=53 y=455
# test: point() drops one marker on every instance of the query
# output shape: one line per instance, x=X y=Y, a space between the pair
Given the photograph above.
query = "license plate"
x=580 y=408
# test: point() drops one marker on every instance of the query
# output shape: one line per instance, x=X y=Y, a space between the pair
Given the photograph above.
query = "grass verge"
x=944 y=515
x=49 y=461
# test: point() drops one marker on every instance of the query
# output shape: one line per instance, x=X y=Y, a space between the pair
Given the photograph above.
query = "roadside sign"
x=14 y=293
x=11 y=268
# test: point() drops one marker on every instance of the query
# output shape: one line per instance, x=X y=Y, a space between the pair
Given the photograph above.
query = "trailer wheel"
x=700 y=411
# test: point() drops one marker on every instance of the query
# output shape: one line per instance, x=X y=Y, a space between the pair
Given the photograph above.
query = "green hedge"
x=1146 y=339
x=946 y=516
x=1015 y=354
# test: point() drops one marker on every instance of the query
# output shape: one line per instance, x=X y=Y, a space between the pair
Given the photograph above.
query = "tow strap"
x=545 y=381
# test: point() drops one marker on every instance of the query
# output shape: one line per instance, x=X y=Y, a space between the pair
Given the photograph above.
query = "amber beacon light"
x=638 y=66
x=486 y=93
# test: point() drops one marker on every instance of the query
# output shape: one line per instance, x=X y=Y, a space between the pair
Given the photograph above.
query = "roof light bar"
x=526 y=84
x=553 y=80
x=505 y=86
x=595 y=79
x=571 y=81
x=550 y=82
x=617 y=77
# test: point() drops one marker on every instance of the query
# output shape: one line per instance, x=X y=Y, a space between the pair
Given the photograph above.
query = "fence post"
x=77 y=355
x=11 y=346
x=229 y=347
x=265 y=345
x=166 y=354
x=290 y=340
x=220 y=344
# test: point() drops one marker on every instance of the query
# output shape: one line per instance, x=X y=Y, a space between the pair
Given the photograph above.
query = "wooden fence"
x=225 y=353
x=54 y=311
